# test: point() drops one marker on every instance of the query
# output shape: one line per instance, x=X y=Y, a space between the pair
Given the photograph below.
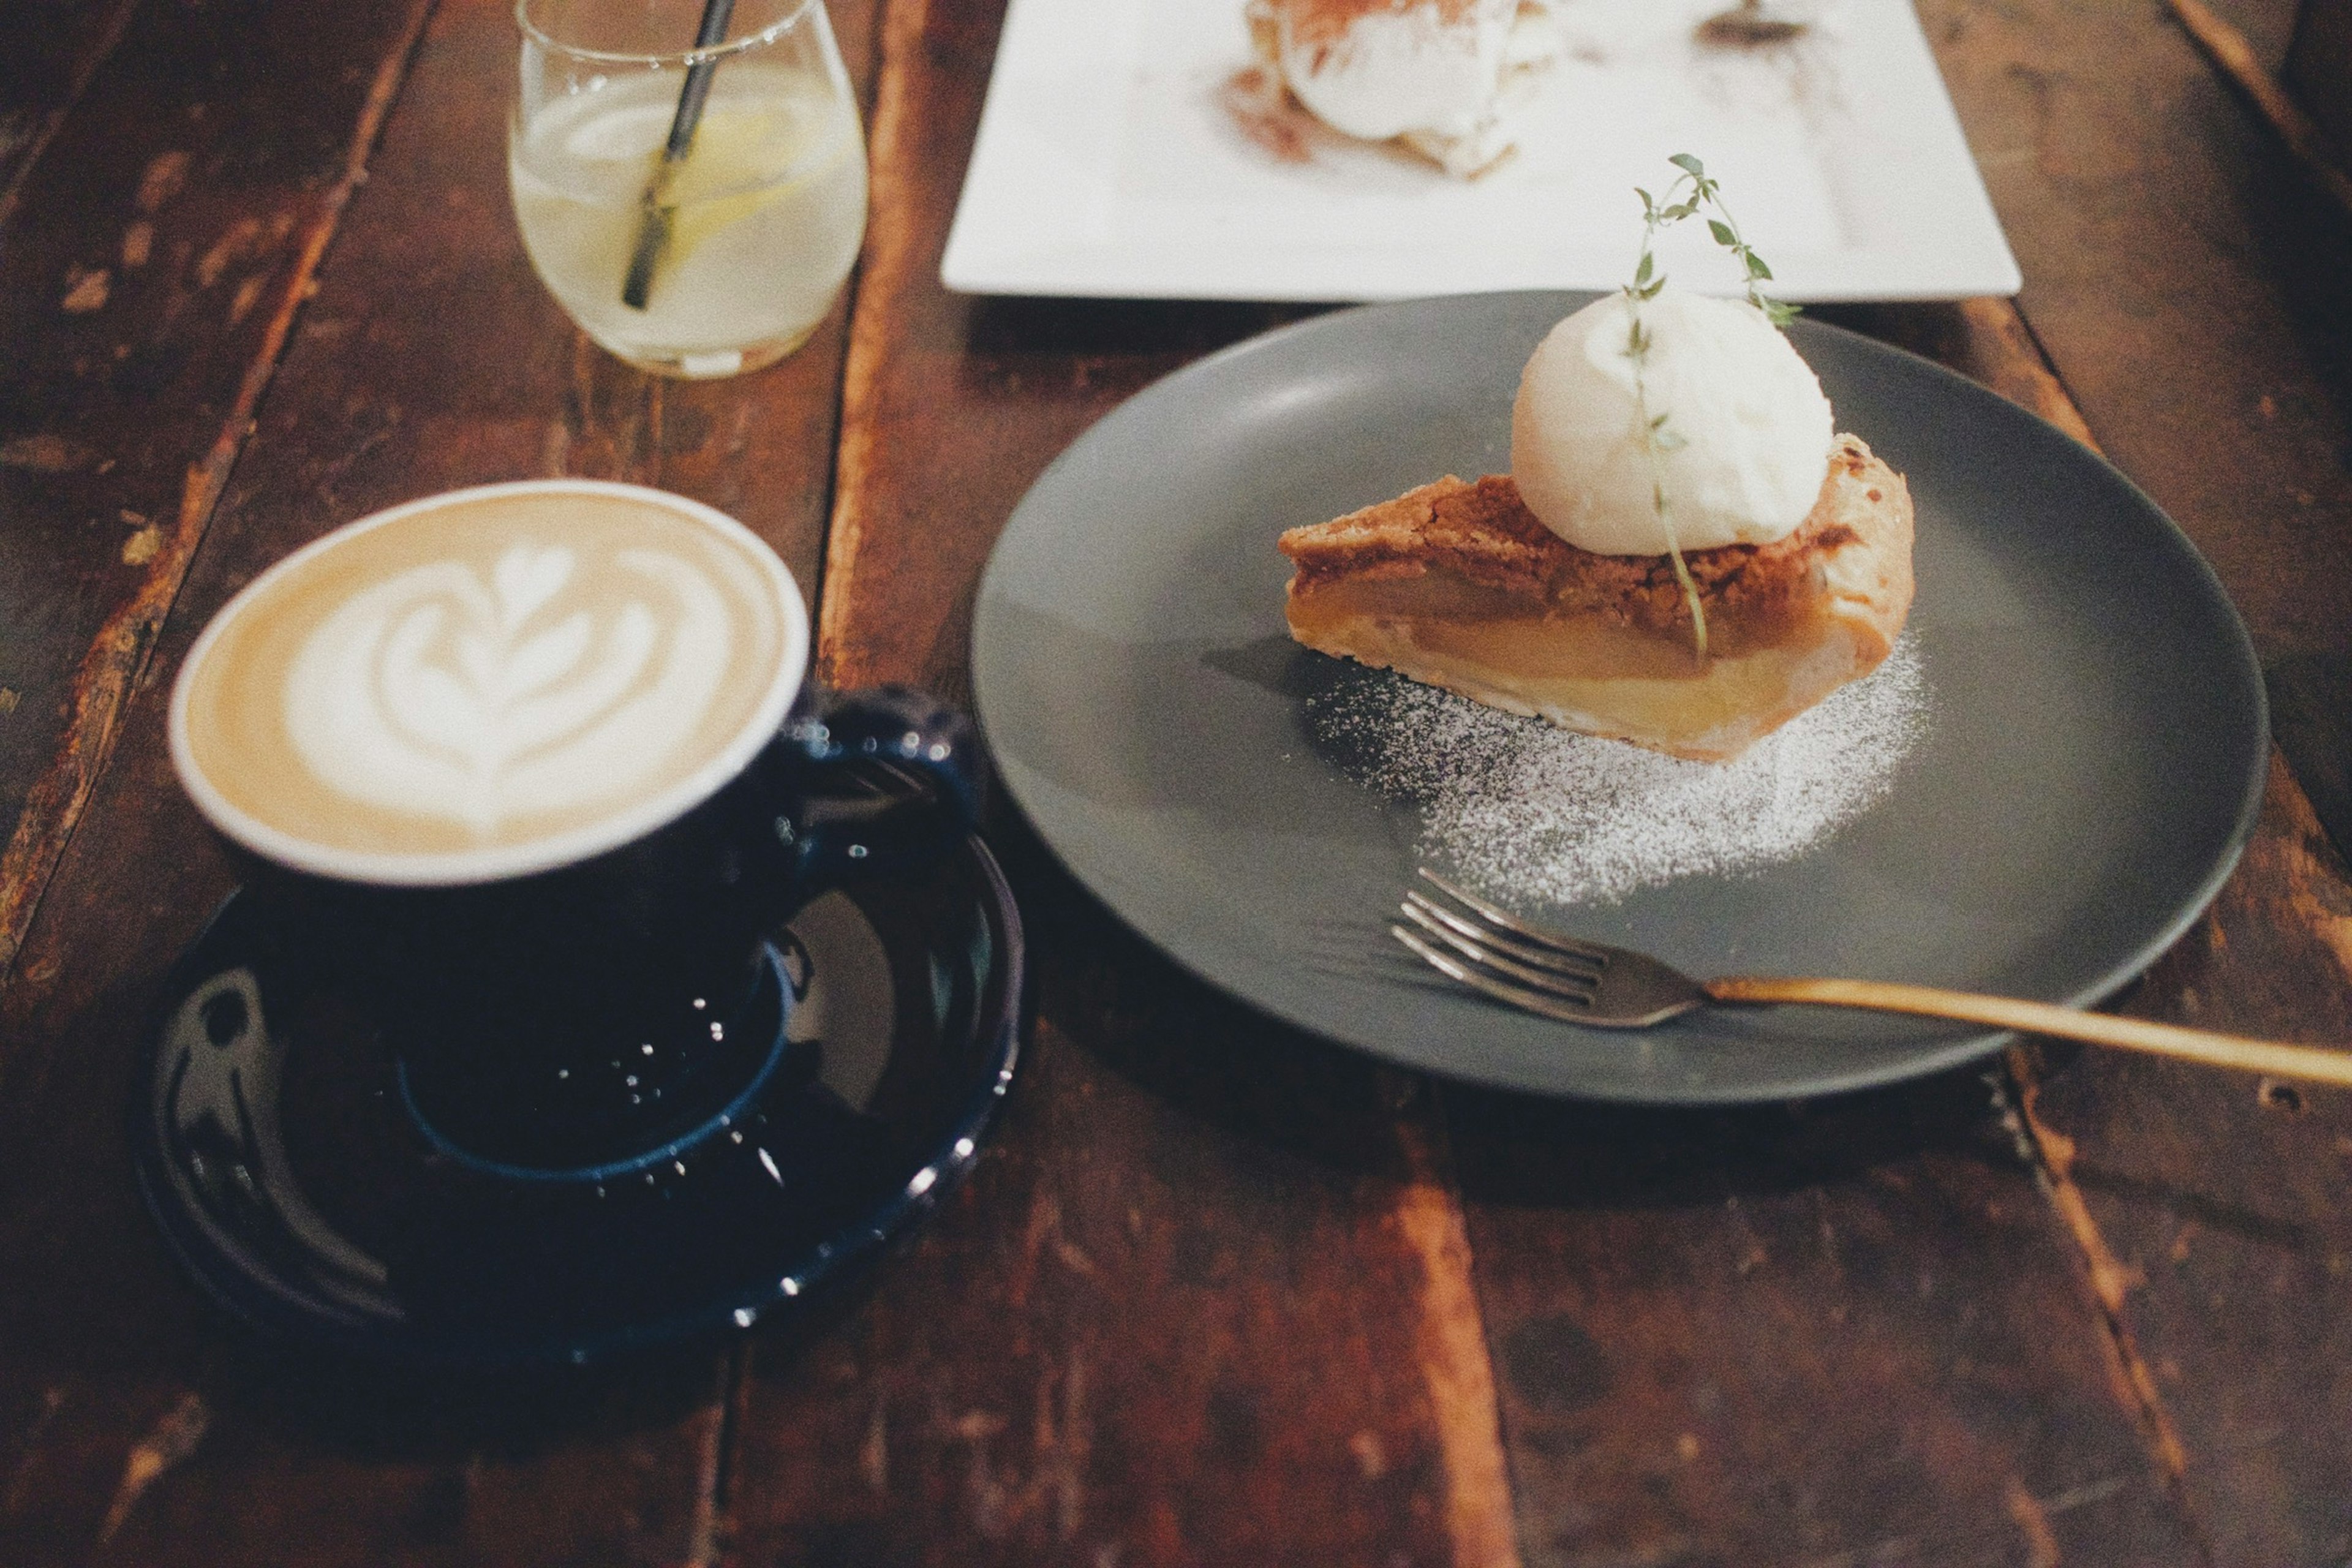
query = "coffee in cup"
x=532 y=769
x=489 y=684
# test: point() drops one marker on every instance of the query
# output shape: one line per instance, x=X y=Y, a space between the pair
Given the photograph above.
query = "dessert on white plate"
x=1441 y=76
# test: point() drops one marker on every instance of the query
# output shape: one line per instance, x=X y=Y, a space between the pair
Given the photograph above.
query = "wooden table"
x=1218 y=1293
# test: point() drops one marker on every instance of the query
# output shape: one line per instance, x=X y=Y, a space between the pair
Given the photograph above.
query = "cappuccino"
x=489 y=683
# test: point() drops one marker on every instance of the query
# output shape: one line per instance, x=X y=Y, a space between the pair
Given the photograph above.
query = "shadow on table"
x=1014 y=325
x=386 y=1412
x=379 y=1412
x=1220 y=1064
x=2306 y=243
x=93 y=1310
x=1519 y=1151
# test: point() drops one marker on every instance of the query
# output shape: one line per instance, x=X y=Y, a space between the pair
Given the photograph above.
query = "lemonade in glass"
x=727 y=258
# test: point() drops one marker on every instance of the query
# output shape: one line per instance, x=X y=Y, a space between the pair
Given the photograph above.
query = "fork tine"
x=1536 y=953
x=1500 y=990
x=1510 y=922
x=1577 y=988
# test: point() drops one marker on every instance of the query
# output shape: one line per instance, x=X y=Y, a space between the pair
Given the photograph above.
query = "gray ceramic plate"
x=2093 y=767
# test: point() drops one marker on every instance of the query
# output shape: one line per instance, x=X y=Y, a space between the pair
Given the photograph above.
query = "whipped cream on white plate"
x=1442 y=76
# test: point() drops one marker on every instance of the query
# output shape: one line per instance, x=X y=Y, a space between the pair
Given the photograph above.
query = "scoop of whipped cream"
x=1433 y=72
x=1747 y=434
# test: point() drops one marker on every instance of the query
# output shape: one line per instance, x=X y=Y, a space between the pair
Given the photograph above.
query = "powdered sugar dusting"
x=1526 y=810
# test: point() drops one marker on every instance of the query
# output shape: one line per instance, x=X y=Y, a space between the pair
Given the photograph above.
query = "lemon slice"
x=733 y=170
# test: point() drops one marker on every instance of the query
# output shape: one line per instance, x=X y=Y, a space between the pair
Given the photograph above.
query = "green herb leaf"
x=1696 y=190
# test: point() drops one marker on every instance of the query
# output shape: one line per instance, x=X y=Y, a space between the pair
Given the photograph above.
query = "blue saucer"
x=289 y=1170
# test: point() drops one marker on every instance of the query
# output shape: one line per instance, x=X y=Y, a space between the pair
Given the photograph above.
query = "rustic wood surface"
x=2318 y=71
x=151 y=262
x=1218 y=1293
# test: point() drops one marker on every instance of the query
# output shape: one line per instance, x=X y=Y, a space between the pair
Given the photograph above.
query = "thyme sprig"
x=1693 y=191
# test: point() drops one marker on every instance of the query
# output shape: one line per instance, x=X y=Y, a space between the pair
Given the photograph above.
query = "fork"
x=1542 y=972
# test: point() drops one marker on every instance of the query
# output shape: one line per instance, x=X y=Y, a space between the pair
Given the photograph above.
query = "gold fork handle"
x=2307 y=1062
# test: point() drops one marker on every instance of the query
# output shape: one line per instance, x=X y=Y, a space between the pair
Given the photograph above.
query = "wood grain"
x=952 y=404
x=134 y=1426
x=2311 y=715
x=877 y=574
x=150 y=272
x=2211 y=1487
x=1198 y=1278
x=2185 y=285
x=2234 y=57
x=1219 y=1293
x=1806 y=1336
x=2174 y=268
x=48 y=51
x=2219 y=1204
x=2318 y=69
x=1210 y=1268
x=1847 y=1332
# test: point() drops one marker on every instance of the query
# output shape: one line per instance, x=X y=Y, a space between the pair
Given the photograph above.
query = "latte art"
x=489 y=683
x=444 y=695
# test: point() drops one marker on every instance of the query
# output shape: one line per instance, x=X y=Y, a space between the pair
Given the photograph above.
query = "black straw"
x=654 y=224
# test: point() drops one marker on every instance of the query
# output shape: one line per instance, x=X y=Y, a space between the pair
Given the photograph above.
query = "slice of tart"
x=1459 y=586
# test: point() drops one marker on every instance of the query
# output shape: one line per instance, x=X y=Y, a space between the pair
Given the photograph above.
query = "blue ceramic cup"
x=537 y=768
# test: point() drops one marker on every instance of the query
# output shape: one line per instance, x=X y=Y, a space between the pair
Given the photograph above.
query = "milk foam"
x=440 y=694
x=489 y=683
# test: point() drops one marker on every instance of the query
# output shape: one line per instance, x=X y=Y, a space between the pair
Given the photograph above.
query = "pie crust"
x=1457 y=584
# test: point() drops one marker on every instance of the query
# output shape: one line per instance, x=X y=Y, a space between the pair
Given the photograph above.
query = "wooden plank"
x=2268 y=27
x=1207 y=1270
x=2219 y=1202
x=1201 y=1277
x=2311 y=715
x=429 y=357
x=2177 y=279
x=2234 y=56
x=1188 y=1201
x=2319 y=70
x=953 y=403
x=152 y=264
x=434 y=358
x=2187 y=287
x=1985 y=340
x=2273 y=935
x=48 y=51
x=836 y=1417
x=1667 y=1324
x=1838 y=1333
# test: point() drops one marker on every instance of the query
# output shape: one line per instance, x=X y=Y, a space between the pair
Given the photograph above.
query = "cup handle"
x=877 y=780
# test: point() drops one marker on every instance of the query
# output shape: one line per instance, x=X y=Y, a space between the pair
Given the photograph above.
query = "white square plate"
x=1108 y=165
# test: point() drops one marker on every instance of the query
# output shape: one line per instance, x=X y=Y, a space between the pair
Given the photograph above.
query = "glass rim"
x=690 y=56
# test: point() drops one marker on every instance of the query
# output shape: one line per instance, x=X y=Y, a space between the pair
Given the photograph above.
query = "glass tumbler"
x=695 y=210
